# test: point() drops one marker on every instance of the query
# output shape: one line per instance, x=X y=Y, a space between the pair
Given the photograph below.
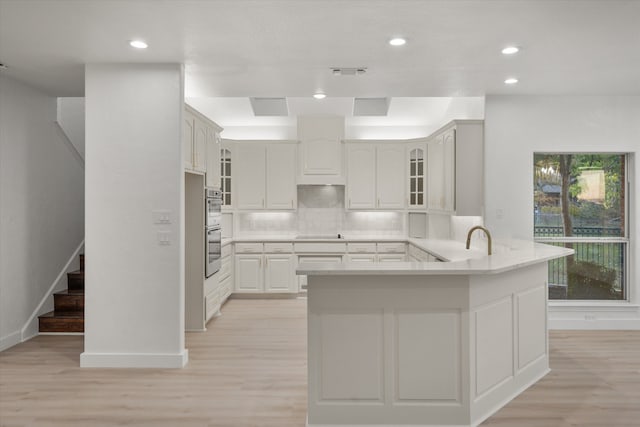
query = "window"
x=225 y=176
x=580 y=202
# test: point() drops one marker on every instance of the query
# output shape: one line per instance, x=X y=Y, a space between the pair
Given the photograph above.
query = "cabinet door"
x=361 y=258
x=213 y=159
x=416 y=162
x=390 y=176
x=226 y=160
x=200 y=146
x=435 y=171
x=281 y=176
x=187 y=140
x=279 y=274
x=250 y=176
x=361 y=176
x=321 y=157
x=249 y=273
x=449 y=171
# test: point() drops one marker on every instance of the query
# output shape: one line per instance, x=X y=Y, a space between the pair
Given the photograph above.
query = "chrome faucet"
x=486 y=232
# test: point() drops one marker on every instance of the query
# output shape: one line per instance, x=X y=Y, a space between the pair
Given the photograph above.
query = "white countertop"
x=516 y=254
x=461 y=261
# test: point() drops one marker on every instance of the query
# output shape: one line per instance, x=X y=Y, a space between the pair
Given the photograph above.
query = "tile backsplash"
x=320 y=212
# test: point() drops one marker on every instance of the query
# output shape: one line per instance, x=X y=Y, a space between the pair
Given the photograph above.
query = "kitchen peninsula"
x=427 y=344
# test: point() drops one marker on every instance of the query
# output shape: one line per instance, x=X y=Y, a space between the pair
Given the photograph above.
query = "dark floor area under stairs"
x=68 y=313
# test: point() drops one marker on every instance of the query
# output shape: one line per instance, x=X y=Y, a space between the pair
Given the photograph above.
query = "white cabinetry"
x=213 y=157
x=375 y=176
x=249 y=273
x=279 y=273
x=265 y=176
x=390 y=177
x=361 y=176
x=320 y=149
x=455 y=168
x=416 y=161
x=280 y=177
x=271 y=272
x=250 y=164
x=200 y=138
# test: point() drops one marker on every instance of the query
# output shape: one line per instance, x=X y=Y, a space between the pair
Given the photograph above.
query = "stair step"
x=69 y=302
x=75 y=280
x=81 y=262
x=57 y=322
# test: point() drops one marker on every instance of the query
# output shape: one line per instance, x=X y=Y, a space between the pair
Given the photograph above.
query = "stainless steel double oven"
x=213 y=233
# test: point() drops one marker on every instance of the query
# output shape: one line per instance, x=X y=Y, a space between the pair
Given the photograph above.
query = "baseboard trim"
x=10 y=340
x=134 y=360
x=594 y=324
x=30 y=328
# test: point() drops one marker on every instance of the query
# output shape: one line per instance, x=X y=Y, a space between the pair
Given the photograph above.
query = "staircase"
x=68 y=313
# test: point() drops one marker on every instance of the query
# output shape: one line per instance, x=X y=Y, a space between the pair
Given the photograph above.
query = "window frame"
x=625 y=240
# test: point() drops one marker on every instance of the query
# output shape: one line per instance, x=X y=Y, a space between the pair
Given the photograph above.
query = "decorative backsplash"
x=321 y=212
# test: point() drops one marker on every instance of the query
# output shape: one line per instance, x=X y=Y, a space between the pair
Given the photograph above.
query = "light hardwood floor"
x=249 y=369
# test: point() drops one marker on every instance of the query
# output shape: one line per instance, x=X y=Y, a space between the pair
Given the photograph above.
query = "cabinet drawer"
x=278 y=247
x=391 y=248
x=226 y=250
x=225 y=269
x=212 y=304
x=361 y=258
x=361 y=248
x=248 y=248
x=211 y=284
x=308 y=247
x=391 y=258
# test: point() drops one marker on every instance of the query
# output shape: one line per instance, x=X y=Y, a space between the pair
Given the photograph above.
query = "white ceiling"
x=242 y=48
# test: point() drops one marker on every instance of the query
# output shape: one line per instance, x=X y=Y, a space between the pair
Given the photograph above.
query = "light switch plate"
x=164 y=238
x=162 y=217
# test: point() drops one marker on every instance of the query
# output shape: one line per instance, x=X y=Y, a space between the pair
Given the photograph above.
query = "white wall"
x=41 y=204
x=518 y=126
x=71 y=120
x=134 y=302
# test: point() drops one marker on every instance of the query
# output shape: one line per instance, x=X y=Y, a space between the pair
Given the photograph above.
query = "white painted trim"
x=10 y=340
x=30 y=328
x=62 y=333
x=600 y=324
x=134 y=360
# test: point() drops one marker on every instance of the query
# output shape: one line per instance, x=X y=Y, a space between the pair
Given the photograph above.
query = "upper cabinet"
x=320 y=149
x=416 y=163
x=265 y=176
x=375 y=175
x=455 y=168
x=200 y=142
x=226 y=160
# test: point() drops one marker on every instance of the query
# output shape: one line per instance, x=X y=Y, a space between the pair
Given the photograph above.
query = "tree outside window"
x=580 y=202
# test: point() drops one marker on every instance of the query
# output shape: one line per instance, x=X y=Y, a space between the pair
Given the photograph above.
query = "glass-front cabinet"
x=416 y=159
x=225 y=176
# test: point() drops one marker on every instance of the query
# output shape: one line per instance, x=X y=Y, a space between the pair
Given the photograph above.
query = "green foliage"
x=588 y=280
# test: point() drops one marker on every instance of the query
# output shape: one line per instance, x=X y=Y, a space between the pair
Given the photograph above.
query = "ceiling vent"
x=371 y=106
x=269 y=106
x=347 y=71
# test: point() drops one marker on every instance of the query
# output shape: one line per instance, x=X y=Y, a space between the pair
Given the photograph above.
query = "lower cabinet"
x=279 y=273
x=392 y=257
x=258 y=273
x=249 y=277
x=305 y=260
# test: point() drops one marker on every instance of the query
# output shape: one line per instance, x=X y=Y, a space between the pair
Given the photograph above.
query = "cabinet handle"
x=349 y=201
x=292 y=203
x=263 y=203
x=260 y=263
x=378 y=201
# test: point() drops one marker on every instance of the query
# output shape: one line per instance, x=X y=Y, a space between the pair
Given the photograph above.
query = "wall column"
x=134 y=282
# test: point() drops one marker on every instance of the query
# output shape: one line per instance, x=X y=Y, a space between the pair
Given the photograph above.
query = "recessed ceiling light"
x=397 y=41
x=511 y=81
x=510 y=50
x=319 y=95
x=138 y=44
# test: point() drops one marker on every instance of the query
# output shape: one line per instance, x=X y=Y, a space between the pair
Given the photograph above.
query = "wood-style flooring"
x=249 y=369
